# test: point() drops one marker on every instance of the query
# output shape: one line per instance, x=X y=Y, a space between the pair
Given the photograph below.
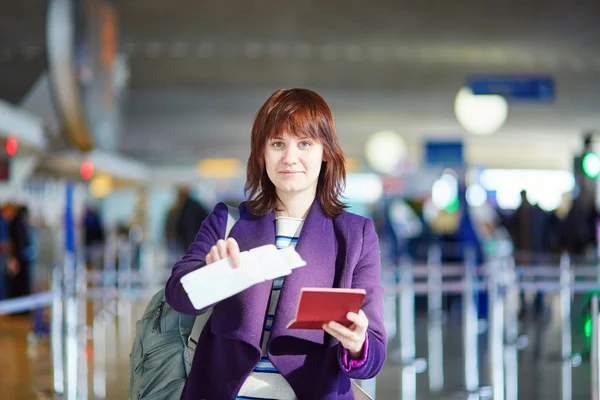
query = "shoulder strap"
x=233 y=215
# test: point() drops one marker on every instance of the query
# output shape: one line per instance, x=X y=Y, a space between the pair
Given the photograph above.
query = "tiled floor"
x=26 y=369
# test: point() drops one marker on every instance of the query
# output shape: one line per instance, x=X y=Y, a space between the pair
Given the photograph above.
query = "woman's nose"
x=290 y=156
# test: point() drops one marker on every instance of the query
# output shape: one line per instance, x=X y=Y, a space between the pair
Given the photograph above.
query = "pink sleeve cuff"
x=350 y=364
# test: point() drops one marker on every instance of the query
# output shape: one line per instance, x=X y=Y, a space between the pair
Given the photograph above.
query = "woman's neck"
x=295 y=205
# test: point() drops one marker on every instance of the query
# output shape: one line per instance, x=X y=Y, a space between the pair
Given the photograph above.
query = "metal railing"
x=503 y=283
x=114 y=288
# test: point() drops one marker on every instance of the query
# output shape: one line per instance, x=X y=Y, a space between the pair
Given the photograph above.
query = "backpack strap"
x=233 y=215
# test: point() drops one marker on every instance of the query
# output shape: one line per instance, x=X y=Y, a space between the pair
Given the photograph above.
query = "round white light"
x=508 y=199
x=476 y=195
x=443 y=192
x=384 y=151
x=480 y=114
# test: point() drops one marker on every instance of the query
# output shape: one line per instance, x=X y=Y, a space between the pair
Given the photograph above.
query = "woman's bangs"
x=298 y=125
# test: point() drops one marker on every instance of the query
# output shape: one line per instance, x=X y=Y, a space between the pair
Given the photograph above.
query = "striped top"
x=265 y=382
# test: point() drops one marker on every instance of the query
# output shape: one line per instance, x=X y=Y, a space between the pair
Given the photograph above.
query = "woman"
x=295 y=177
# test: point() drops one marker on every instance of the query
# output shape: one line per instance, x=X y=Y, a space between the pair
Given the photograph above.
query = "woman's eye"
x=305 y=144
x=277 y=144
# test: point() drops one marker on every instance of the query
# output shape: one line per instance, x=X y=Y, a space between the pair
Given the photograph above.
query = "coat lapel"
x=241 y=317
x=317 y=246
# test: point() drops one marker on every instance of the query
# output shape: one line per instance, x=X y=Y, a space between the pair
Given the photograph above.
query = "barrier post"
x=69 y=267
x=99 y=332
x=397 y=344
x=496 y=331
x=470 y=326
x=407 y=331
x=110 y=291
x=125 y=294
x=565 y=315
x=595 y=356
x=82 y=328
x=511 y=350
x=109 y=278
x=595 y=317
x=56 y=335
x=435 y=320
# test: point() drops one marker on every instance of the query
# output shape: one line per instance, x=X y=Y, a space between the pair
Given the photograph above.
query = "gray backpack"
x=164 y=346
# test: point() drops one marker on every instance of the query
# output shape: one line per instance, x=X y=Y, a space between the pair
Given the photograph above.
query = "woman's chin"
x=289 y=189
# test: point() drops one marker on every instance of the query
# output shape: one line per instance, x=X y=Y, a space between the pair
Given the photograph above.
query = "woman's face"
x=293 y=164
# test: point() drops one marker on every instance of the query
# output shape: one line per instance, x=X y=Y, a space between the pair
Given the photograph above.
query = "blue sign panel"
x=521 y=88
x=444 y=153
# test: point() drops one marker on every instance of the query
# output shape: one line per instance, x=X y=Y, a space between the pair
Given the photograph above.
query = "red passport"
x=318 y=306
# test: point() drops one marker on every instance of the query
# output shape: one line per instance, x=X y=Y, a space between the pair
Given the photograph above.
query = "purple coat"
x=344 y=249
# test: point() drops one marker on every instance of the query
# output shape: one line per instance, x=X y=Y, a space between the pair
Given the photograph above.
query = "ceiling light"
x=385 y=150
x=480 y=114
x=219 y=168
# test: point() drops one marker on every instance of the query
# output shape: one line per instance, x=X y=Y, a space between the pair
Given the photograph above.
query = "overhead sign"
x=444 y=153
x=516 y=88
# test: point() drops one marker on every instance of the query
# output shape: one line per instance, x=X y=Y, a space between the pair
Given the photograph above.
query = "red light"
x=87 y=170
x=11 y=146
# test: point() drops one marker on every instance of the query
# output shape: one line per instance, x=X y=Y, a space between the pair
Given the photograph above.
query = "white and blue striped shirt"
x=265 y=382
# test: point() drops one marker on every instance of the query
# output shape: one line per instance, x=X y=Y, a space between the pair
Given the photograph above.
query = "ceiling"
x=200 y=70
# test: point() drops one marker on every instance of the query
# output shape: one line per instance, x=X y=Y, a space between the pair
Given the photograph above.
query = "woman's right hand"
x=224 y=249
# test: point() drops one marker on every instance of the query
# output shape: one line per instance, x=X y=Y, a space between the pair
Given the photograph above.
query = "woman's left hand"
x=352 y=338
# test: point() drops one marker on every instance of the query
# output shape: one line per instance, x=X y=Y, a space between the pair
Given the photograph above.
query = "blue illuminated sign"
x=444 y=153
x=518 y=88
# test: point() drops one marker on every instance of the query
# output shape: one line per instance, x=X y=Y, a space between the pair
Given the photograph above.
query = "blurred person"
x=528 y=239
x=295 y=177
x=22 y=252
x=93 y=228
x=4 y=253
x=138 y=228
x=94 y=236
x=8 y=214
x=578 y=227
x=174 y=248
x=405 y=225
x=554 y=225
x=190 y=217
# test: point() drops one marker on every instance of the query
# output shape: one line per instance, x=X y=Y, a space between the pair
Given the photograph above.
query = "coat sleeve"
x=211 y=230
x=367 y=275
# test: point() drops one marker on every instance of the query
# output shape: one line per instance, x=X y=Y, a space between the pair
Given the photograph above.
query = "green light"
x=452 y=206
x=591 y=165
x=587 y=327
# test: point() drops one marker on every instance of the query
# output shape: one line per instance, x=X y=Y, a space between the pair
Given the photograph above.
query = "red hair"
x=301 y=113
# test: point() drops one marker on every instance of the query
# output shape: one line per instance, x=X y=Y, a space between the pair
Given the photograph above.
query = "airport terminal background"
x=471 y=134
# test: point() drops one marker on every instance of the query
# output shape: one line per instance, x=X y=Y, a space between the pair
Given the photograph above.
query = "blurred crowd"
x=531 y=234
